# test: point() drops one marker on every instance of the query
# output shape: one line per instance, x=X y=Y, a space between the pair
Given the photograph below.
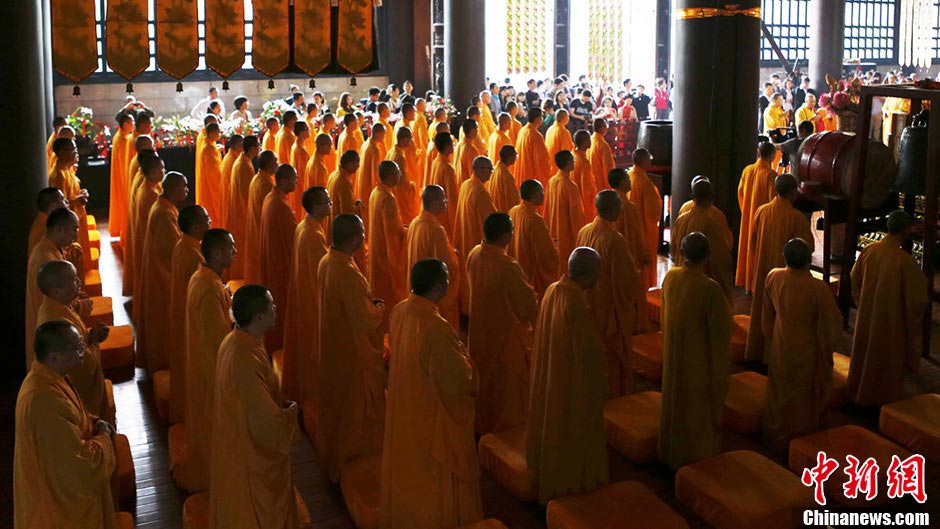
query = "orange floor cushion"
x=94 y=238
x=743 y=490
x=648 y=355
x=91 y=221
x=196 y=511
x=623 y=505
x=914 y=423
x=277 y=361
x=124 y=480
x=118 y=350
x=101 y=311
x=235 y=284
x=178 y=441
x=739 y=330
x=837 y=443
x=654 y=304
x=161 y=392
x=840 y=380
x=124 y=520
x=95 y=258
x=631 y=425
x=502 y=454
x=492 y=523
x=92 y=284
x=744 y=405
x=360 y=482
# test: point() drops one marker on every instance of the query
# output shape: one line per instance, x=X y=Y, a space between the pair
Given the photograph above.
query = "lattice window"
x=936 y=35
x=787 y=22
x=605 y=33
x=871 y=30
x=527 y=38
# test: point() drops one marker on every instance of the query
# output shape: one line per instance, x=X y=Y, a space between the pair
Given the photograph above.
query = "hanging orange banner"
x=270 y=41
x=74 y=52
x=128 y=50
x=225 y=36
x=177 y=37
x=354 y=43
x=312 y=35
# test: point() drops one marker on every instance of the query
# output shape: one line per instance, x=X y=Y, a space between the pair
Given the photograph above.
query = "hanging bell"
x=313 y=83
x=179 y=87
x=270 y=84
x=352 y=82
x=225 y=85
x=130 y=88
x=77 y=91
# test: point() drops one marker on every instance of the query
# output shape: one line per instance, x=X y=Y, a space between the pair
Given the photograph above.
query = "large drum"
x=828 y=160
x=656 y=137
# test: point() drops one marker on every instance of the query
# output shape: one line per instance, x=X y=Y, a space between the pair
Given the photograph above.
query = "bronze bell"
x=130 y=88
x=270 y=84
x=179 y=87
x=352 y=82
x=225 y=85
x=76 y=91
x=313 y=83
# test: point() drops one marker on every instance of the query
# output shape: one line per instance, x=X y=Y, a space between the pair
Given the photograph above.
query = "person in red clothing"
x=661 y=99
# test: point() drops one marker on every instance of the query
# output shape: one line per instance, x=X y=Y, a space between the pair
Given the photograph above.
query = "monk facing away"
x=271 y=127
x=534 y=162
x=696 y=322
x=443 y=174
x=645 y=195
x=62 y=458
x=774 y=224
x=601 y=155
x=261 y=185
x=891 y=293
x=503 y=308
x=755 y=189
x=351 y=378
x=427 y=239
x=371 y=155
x=619 y=296
x=386 y=256
x=565 y=448
x=804 y=326
x=720 y=239
x=237 y=221
x=629 y=224
x=583 y=174
x=277 y=245
x=474 y=204
x=146 y=194
x=466 y=150
x=558 y=137
x=430 y=473
x=502 y=186
x=532 y=245
x=563 y=208
x=254 y=428
x=499 y=138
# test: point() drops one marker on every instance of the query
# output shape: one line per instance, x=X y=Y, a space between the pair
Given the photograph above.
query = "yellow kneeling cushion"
x=161 y=392
x=502 y=454
x=739 y=330
x=92 y=283
x=118 y=350
x=124 y=480
x=743 y=490
x=840 y=380
x=91 y=221
x=124 y=520
x=101 y=311
x=744 y=405
x=623 y=505
x=95 y=258
x=94 y=238
x=648 y=355
x=914 y=423
x=360 y=481
x=654 y=304
x=631 y=425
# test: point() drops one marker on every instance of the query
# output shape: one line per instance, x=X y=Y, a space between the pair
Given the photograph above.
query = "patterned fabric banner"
x=177 y=37
x=225 y=36
x=128 y=50
x=270 y=42
x=526 y=37
x=354 y=43
x=74 y=51
x=605 y=40
x=312 y=35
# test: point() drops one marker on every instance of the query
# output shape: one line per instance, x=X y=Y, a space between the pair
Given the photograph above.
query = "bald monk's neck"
x=253 y=329
x=218 y=268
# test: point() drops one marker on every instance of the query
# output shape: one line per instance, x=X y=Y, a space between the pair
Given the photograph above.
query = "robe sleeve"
x=829 y=329
x=547 y=251
x=769 y=313
x=272 y=427
x=742 y=184
x=718 y=323
x=521 y=296
x=363 y=314
x=857 y=275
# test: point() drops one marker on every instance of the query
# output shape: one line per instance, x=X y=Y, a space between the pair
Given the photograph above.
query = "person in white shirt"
x=241 y=111
x=199 y=111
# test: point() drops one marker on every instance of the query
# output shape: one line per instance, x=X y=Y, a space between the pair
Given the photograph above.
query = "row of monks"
x=542 y=352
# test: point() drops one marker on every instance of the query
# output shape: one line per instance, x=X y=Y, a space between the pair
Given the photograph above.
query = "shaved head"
x=389 y=173
x=797 y=254
x=56 y=276
x=785 y=185
x=584 y=267
x=348 y=233
x=434 y=198
x=695 y=248
x=702 y=192
x=608 y=205
x=898 y=221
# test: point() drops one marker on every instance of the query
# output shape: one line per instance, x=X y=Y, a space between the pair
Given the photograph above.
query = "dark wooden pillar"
x=464 y=75
x=663 y=38
x=422 y=46
x=399 y=41
x=715 y=100
x=24 y=95
x=826 y=39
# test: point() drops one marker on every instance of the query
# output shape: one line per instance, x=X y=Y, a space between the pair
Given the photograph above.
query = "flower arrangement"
x=844 y=93
x=176 y=131
x=273 y=109
x=446 y=104
x=89 y=132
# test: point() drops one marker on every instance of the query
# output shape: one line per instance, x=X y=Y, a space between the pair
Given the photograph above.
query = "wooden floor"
x=159 y=502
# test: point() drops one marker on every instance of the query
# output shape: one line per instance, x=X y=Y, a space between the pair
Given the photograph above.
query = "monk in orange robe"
x=696 y=321
x=208 y=321
x=534 y=162
x=261 y=185
x=349 y=139
x=629 y=224
x=565 y=448
x=384 y=113
x=342 y=185
x=271 y=127
x=233 y=150
x=277 y=245
x=558 y=137
x=649 y=204
x=61 y=231
x=237 y=222
x=563 y=210
x=63 y=177
x=515 y=125
x=600 y=154
x=370 y=155
x=142 y=147
x=503 y=308
x=487 y=121
x=48 y=200
x=327 y=124
x=619 y=298
x=66 y=132
x=351 y=377
x=386 y=256
x=299 y=160
x=254 y=427
x=432 y=152
x=466 y=150
x=120 y=180
x=891 y=292
x=718 y=233
x=147 y=194
x=419 y=128
x=318 y=170
x=473 y=206
x=774 y=224
x=285 y=138
x=532 y=245
x=209 y=188
x=406 y=192
x=473 y=114
x=58 y=281
x=194 y=222
x=499 y=138
x=57 y=123
x=444 y=175
x=428 y=239
x=201 y=142
x=439 y=118
x=313 y=124
x=153 y=297
x=430 y=473
x=804 y=326
x=502 y=187
x=63 y=457
x=302 y=319
x=754 y=190
x=583 y=175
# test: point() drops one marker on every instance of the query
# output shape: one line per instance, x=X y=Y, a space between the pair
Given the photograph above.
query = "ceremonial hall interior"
x=452 y=264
